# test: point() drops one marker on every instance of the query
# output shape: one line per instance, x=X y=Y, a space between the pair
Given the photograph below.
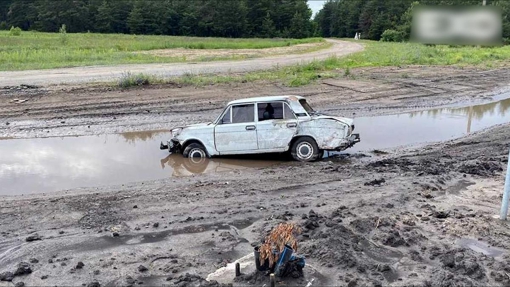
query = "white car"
x=265 y=125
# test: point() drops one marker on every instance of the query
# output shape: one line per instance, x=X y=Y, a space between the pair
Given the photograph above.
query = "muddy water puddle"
x=480 y=247
x=433 y=125
x=52 y=164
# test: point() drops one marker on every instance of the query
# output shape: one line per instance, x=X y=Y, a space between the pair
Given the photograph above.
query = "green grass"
x=36 y=50
x=376 y=54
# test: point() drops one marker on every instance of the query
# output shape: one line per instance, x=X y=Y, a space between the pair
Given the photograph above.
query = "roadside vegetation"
x=38 y=50
x=376 y=54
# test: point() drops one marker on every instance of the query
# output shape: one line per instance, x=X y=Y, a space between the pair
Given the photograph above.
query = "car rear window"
x=306 y=106
x=270 y=111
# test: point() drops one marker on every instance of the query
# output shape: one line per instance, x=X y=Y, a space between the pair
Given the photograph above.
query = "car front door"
x=276 y=126
x=236 y=131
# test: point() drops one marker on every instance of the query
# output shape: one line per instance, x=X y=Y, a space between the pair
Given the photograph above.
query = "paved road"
x=88 y=74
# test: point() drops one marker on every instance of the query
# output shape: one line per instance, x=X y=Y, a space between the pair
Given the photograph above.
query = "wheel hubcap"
x=196 y=153
x=305 y=150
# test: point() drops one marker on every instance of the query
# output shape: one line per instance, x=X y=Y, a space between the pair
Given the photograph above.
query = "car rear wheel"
x=195 y=150
x=305 y=149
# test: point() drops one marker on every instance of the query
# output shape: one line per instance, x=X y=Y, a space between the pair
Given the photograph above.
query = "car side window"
x=288 y=113
x=270 y=111
x=243 y=113
x=226 y=117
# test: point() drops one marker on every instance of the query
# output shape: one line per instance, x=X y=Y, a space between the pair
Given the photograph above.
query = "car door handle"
x=250 y=128
x=291 y=125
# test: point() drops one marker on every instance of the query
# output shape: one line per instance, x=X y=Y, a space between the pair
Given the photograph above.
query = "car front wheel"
x=195 y=150
x=305 y=149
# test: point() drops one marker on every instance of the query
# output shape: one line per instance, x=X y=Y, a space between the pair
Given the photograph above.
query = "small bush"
x=15 y=31
x=63 y=34
x=130 y=80
x=392 y=36
x=3 y=25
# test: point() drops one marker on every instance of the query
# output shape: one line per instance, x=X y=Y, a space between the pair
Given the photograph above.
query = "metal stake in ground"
x=506 y=193
x=272 y=279
x=238 y=269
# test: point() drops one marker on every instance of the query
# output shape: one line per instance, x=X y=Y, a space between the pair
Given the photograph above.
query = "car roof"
x=266 y=99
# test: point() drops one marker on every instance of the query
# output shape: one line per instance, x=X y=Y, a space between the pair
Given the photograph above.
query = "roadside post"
x=238 y=269
x=506 y=193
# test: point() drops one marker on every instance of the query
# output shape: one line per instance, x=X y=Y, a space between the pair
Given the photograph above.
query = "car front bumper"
x=172 y=146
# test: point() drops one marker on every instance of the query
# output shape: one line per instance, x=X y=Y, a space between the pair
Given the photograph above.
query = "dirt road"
x=421 y=217
x=111 y=73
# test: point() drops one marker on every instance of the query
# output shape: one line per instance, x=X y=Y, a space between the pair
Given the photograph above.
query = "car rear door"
x=276 y=130
x=236 y=132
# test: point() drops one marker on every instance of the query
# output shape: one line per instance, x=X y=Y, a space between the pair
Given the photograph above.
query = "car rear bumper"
x=347 y=142
x=353 y=139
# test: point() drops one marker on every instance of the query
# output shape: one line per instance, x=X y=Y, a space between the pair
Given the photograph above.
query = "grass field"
x=37 y=50
x=376 y=54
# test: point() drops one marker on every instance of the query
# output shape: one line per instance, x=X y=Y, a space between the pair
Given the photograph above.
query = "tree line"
x=374 y=19
x=387 y=19
x=206 y=18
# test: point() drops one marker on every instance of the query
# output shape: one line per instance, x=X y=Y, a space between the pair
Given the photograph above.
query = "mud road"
x=413 y=215
x=112 y=73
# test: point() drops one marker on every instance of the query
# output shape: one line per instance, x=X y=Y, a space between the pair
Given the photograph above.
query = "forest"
x=387 y=19
x=203 y=18
x=374 y=19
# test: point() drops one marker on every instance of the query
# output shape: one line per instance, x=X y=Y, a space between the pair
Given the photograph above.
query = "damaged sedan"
x=265 y=125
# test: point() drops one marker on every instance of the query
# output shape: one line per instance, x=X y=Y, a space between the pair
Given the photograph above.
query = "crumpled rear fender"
x=328 y=133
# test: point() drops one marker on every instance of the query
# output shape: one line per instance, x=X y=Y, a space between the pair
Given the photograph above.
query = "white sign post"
x=506 y=193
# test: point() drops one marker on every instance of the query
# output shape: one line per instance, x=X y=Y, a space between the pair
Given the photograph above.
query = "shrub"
x=3 y=25
x=63 y=34
x=130 y=80
x=15 y=31
x=392 y=36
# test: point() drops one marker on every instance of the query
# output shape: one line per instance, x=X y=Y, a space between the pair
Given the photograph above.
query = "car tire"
x=305 y=149
x=195 y=150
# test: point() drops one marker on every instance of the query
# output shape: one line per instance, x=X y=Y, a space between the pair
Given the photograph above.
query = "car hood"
x=197 y=125
x=346 y=121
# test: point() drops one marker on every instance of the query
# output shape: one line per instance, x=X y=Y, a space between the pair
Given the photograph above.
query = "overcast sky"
x=316 y=5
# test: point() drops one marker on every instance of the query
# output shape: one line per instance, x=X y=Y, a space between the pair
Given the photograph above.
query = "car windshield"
x=307 y=107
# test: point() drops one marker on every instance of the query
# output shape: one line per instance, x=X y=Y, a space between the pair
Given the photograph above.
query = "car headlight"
x=176 y=132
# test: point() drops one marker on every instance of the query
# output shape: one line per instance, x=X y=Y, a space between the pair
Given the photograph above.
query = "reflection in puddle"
x=51 y=164
x=188 y=166
x=428 y=126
